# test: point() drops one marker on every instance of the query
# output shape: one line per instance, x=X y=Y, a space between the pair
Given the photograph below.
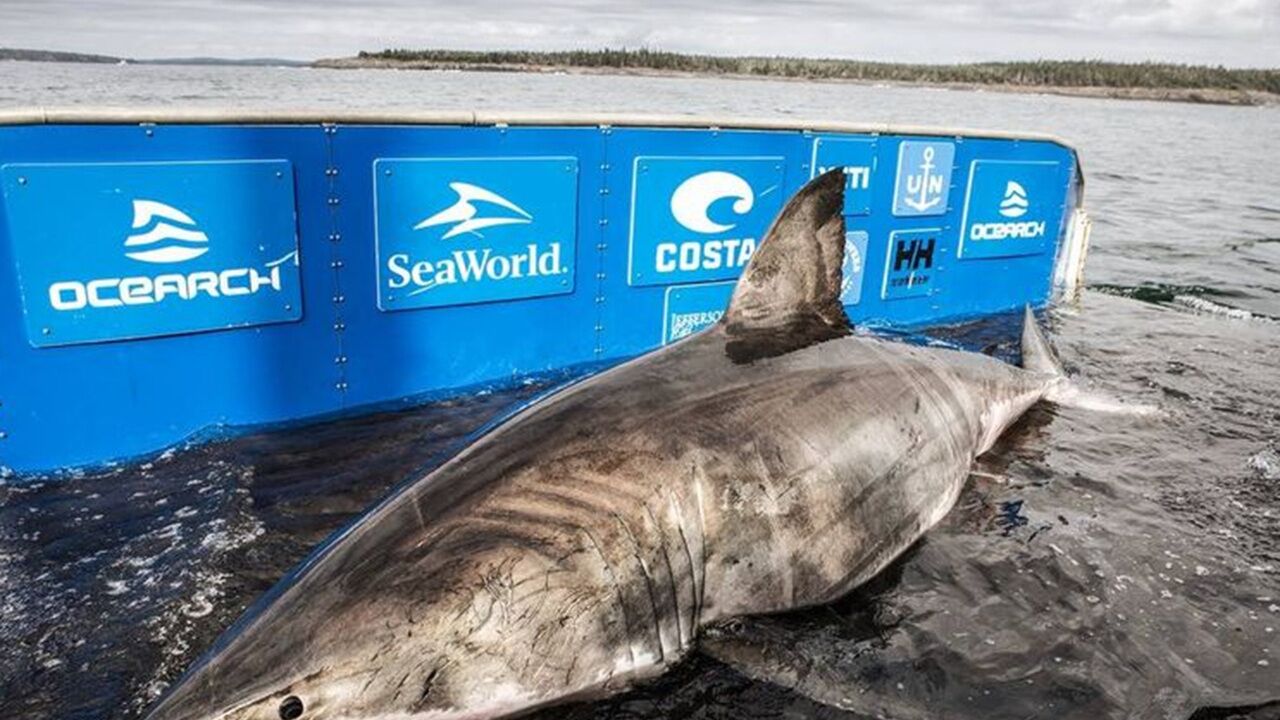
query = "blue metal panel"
x=112 y=251
x=858 y=158
x=923 y=180
x=694 y=219
x=853 y=271
x=361 y=340
x=63 y=406
x=392 y=355
x=453 y=232
x=688 y=309
x=769 y=166
x=1010 y=208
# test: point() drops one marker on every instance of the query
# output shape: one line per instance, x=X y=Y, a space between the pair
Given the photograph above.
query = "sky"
x=1219 y=32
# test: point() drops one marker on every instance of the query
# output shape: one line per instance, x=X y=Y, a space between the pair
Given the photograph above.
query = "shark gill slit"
x=671 y=576
x=694 y=588
x=648 y=581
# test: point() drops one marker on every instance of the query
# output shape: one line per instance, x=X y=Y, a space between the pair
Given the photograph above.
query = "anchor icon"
x=924 y=185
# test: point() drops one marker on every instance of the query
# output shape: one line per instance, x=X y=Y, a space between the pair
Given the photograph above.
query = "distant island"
x=1083 y=78
x=55 y=56
x=1088 y=78
x=74 y=57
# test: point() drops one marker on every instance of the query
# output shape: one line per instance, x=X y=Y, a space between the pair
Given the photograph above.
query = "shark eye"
x=291 y=708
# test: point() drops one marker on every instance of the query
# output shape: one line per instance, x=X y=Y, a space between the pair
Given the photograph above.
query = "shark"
x=774 y=461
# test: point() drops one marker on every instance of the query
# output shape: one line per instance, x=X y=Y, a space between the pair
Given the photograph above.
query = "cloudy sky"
x=1229 y=32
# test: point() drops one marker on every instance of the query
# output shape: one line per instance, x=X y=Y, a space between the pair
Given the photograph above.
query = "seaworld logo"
x=691 y=204
x=463 y=212
x=177 y=239
x=474 y=264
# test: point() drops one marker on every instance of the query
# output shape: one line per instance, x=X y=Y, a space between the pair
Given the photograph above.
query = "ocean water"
x=1096 y=565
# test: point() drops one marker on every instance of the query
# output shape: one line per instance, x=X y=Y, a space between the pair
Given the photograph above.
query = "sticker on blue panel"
x=923 y=182
x=858 y=158
x=455 y=231
x=115 y=251
x=855 y=262
x=1011 y=208
x=910 y=263
x=688 y=309
x=700 y=219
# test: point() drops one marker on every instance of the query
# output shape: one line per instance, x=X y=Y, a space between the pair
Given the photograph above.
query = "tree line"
x=1061 y=73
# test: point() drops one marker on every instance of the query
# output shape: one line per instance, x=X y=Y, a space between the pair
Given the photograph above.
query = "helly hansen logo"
x=913 y=254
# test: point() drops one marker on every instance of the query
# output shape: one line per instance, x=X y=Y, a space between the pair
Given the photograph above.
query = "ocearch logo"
x=1014 y=204
x=166 y=224
x=474 y=264
x=178 y=240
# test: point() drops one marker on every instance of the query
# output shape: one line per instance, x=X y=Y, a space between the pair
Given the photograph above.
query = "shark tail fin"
x=1038 y=356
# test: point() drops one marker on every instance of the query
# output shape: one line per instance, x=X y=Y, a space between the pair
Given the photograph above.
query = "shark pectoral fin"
x=816 y=659
x=789 y=295
x=1038 y=356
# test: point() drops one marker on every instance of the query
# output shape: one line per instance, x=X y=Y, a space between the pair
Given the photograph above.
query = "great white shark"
x=774 y=461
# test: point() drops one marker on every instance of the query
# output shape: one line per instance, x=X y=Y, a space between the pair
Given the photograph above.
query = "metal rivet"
x=46 y=331
x=341 y=359
x=335 y=237
x=386 y=172
x=3 y=435
x=288 y=307
x=22 y=181
x=338 y=298
x=604 y=221
x=333 y=201
x=335 y=264
x=339 y=327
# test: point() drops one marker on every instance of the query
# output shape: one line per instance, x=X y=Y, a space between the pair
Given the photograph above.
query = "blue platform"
x=160 y=278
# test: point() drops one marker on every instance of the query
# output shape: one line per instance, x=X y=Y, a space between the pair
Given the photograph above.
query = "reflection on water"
x=1095 y=566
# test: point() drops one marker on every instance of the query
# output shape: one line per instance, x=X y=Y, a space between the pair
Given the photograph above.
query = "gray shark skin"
x=771 y=462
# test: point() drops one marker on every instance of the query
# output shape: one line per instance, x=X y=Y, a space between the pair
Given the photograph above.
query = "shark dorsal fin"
x=789 y=295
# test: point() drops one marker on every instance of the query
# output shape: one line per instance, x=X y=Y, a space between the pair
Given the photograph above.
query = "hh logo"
x=909 y=263
x=496 y=229
x=914 y=254
x=924 y=178
x=1005 y=213
x=699 y=219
